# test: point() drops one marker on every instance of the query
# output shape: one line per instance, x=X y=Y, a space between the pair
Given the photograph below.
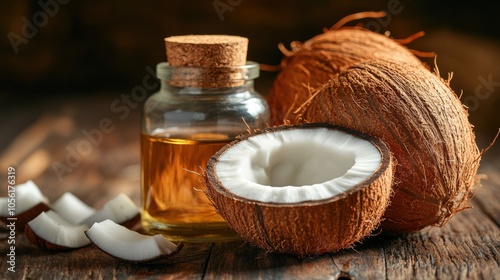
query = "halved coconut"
x=50 y=231
x=26 y=202
x=304 y=189
x=125 y=244
x=72 y=209
x=121 y=209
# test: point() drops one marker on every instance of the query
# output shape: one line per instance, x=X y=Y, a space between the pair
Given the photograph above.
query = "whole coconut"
x=425 y=126
x=321 y=58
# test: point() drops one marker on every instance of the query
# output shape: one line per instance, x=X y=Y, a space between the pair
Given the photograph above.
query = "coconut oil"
x=173 y=188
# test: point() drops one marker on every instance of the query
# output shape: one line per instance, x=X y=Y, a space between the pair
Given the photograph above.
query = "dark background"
x=101 y=48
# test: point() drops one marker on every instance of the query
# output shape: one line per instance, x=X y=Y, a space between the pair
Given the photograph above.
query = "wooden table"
x=43 y=136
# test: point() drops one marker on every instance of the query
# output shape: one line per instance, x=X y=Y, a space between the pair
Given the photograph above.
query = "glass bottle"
x=196 y=112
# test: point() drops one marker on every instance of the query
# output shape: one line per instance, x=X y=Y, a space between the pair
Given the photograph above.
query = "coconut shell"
x=306 y=228
x=321 y=58
x=426 y=128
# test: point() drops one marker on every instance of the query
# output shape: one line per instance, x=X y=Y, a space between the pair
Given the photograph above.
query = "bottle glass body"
x=184 y=124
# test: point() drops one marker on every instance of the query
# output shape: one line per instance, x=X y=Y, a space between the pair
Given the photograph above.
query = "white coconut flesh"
x=27 y=196
x=72 y=209
x=297 y=165
x=120 y=242
x=53 y=228
x=119 y=209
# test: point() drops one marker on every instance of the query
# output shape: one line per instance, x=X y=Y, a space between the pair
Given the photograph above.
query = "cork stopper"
x=218 y=55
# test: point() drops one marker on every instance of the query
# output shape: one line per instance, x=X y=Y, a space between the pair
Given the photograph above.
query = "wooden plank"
x=90 y=262
x=466 y=248
x=487 y=197
x=365 y=261
x=244 y=261
x=95 y=172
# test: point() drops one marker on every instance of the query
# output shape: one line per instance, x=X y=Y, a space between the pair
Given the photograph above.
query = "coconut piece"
x=426 y=128
x=120 y=242
x=72 y=209
x=303 y=189
x=121 y=209
x=28 y=203
x=51 y=231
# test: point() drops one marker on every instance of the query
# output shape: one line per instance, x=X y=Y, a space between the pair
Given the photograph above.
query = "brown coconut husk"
x=310 y=64
x=425 y=126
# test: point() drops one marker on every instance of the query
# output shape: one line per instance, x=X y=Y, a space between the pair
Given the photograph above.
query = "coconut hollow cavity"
x=302 y=189
x=297 y=165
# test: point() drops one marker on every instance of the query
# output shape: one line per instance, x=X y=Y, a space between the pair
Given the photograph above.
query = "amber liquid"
x=173 y=198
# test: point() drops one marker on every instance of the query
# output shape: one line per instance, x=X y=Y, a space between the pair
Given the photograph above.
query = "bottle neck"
x=168 y=86
x=207 y=77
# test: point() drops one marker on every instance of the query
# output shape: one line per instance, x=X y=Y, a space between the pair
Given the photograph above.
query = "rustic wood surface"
x=468 y=247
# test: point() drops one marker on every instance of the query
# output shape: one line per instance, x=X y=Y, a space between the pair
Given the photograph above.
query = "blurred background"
x=54 y=53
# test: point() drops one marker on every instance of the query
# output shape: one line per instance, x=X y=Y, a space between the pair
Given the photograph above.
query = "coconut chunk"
x=122 y=243
x=51 y=231
x=27 y=196
x=72 y=209
x=27 y=203
x=121 y=209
